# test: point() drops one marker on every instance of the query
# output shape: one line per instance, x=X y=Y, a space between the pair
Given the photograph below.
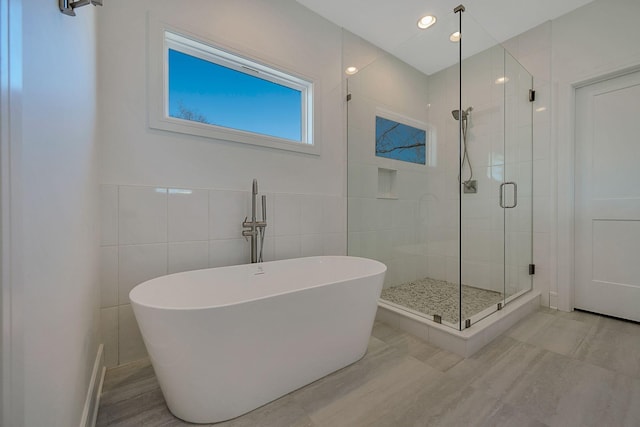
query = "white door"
x=607 y=197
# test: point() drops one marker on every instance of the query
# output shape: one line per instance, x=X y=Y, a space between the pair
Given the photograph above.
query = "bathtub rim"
x=382 y=269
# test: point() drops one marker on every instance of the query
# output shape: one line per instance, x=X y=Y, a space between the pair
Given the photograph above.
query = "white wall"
x=58 y=210
x=305 y=193
x=595 y=40
x=280 y=32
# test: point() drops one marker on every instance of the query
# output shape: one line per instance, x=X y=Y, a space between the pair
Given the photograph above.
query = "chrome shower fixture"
x=68 y=7
x=470 y=185
x=465 y=113
x=254 y=228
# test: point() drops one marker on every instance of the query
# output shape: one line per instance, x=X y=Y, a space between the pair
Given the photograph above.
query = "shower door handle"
x=515 y=195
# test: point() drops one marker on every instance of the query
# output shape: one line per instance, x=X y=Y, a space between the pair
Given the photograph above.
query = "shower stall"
x=440 y=165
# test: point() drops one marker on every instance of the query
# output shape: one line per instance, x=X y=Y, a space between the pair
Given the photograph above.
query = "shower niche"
x=387 y=184
x=457 y=235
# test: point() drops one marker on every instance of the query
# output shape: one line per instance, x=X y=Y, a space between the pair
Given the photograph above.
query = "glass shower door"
x=518 y=179
x=483 y=151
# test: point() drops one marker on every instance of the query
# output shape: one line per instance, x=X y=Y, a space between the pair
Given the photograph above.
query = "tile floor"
x=552 y=368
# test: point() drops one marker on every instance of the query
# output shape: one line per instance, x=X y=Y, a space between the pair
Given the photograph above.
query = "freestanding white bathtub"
x=224 y=341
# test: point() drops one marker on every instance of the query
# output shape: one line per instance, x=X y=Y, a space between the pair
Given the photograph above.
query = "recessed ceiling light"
x=541 y=109
x=455 y=37
x=351 y=70
x=426 y=21
x=501 y=80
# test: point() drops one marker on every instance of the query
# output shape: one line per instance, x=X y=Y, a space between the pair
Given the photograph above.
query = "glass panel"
x=482 y=173
x=405 y=211
x=453 y=252
x=518 y=169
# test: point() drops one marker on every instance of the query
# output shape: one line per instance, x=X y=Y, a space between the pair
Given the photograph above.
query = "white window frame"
x=162 y=37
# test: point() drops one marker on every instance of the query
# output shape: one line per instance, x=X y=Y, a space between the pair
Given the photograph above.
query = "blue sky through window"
x=203 y=91
x=399 y=141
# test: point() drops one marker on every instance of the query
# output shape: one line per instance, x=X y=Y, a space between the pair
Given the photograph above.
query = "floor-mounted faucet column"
x=254 y=228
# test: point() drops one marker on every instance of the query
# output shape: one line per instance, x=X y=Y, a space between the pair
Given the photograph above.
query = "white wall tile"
x=436 y=267
x=287 y=247
x=108 y=215
x=312 y=214
x=404 y=213
x=138 y=263
x=186 y=256
x=541 y=248
x=188 y=217
x=109 y=335
x=335 y=243
x=312 y=245
x=130 y=344
x=228 y=252
x=270 y=230
x=288 y=212
x=227 y=210
x=108 y=276
x=335 y=214
x=368 y=214
x=541 y=138
x=354 y=213
x=368 y=247
x=541 y=178
x=384 y=245
x=542 y=214
x=142 y=215
x=384 y=213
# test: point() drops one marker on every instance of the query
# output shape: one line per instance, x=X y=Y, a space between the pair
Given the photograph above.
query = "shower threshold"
x=486 y=324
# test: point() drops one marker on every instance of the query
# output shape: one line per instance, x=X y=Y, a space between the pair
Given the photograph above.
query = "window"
x=395 y=140
x=211 y=92
x=398 y=137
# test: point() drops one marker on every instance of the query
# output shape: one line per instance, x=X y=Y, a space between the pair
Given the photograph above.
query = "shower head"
x=465 y=113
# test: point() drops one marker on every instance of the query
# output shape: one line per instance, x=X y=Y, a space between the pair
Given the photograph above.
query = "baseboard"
x=92 y=401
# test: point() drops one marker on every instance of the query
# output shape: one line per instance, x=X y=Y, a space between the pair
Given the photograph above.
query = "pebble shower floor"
x=431 y=296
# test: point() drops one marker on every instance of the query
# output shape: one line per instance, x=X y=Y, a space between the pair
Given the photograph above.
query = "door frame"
x=565 y=138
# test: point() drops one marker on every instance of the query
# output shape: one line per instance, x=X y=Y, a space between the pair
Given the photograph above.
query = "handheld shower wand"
x=470 y=186
x=261 y=229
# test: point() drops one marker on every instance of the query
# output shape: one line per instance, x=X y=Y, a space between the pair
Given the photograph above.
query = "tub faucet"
x=254 y=228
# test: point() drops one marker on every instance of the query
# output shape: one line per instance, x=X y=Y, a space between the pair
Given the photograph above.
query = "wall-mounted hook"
x=67 y=7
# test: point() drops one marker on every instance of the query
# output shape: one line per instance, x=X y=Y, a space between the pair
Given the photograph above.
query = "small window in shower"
x=214 y=93
x=400 y=141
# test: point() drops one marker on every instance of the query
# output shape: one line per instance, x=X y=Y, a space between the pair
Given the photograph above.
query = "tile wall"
x=153 y=231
